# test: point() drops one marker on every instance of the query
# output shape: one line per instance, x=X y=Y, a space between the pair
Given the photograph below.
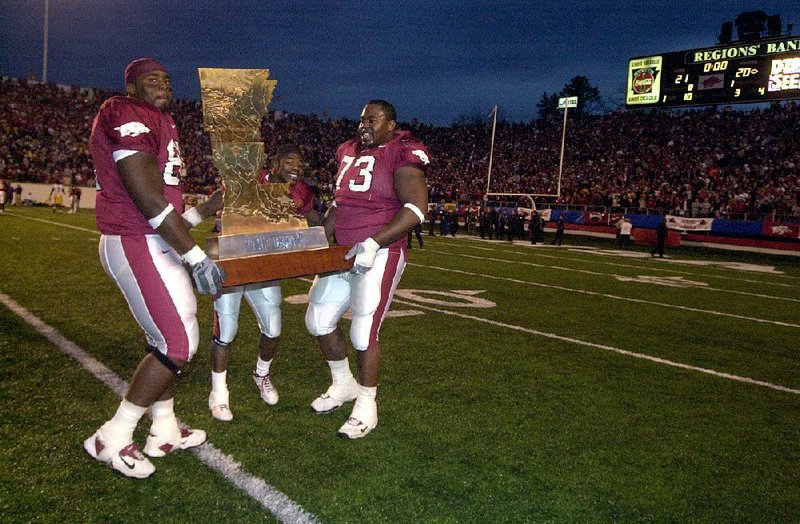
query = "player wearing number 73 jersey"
x=379 y=195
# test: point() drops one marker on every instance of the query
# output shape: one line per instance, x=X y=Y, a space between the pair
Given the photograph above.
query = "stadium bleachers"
x=715 y=162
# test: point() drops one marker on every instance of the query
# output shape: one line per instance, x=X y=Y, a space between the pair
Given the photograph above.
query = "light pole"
x=46 y=28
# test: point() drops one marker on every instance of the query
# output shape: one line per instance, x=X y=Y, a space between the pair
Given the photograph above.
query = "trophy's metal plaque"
x=256 y=218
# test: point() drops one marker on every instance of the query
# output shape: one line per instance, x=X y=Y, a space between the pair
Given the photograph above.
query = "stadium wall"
x=735 y=235
x=39 y=193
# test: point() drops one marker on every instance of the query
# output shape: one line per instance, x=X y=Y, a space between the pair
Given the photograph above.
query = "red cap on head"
x=141 y=66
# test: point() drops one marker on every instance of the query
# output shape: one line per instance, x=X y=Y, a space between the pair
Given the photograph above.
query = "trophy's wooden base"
x=277 y=266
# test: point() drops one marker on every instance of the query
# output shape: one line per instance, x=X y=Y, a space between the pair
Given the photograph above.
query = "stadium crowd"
x=699 y=163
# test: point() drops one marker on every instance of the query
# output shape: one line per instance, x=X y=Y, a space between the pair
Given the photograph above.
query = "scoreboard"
x=742 y=72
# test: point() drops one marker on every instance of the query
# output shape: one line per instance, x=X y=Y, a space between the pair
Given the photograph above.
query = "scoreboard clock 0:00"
x=742 y=72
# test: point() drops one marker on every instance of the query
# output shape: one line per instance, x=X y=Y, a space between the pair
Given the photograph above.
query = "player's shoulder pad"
x=129 y=117
x=347 y=147
x=411 y=151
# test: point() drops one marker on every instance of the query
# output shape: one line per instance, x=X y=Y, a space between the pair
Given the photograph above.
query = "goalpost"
x=564 y=103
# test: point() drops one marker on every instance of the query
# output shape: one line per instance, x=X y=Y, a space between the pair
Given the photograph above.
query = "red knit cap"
x=141 y=66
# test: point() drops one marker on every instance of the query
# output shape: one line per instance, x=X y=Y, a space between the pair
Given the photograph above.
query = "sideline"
x=281 y=506
x=611 y=349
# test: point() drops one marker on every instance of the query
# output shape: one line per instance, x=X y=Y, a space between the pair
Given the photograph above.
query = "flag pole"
x=491 y=151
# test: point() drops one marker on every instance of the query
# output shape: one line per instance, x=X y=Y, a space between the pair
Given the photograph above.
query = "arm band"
x=156 y=221
x=192 y=215
x=194 y=256
x=416 y=211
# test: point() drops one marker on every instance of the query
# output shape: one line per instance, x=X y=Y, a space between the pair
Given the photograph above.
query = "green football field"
x=520 y=384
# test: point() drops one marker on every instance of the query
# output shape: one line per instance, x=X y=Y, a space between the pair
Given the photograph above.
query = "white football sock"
x=164 y=421
x=119 y=430
x=219 y=382
x=262 y=367
x=365 y=408
x=367 y=392
x=340 y=371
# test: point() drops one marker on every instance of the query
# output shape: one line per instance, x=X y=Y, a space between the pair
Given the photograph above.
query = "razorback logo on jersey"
x=133 y=129
x=422 y=156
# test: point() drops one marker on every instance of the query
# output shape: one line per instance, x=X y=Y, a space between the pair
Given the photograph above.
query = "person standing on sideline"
x=264 y=297
x=9 y=193
x=535 y=228
x=434 y=212
x=380 y=193
x=74 y=199
x=625 y=231
x=417 y=231
x=56 y=197
x=559 y=231
x=661 y=239
x=144 y=245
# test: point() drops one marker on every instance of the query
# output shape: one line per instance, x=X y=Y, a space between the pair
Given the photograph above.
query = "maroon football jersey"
x=301 y=192
x=129 y=124
x=365 y=197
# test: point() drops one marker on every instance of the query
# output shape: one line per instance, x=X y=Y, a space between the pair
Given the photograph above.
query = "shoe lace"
x=132 y=450
x=266 y=383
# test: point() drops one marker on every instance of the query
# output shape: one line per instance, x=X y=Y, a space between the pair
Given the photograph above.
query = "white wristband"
x=156 y=221
x=194 y=256
x=416 y=211
x=192 y=215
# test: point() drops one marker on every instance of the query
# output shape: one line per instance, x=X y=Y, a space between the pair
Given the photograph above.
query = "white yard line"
x=51 y=222
x=599 y=273
x=281 y=506
x=603 y=347
x=576 y=249
x=607 y=295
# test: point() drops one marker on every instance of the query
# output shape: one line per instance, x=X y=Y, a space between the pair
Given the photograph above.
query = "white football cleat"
x=362 y=420
x=334 y=397
x=268 y=392
x=354 y=428
x=219 y=410
x=187 y=438
x=127 y=460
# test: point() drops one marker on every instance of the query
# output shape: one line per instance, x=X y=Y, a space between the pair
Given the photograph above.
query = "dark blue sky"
x=435 y=60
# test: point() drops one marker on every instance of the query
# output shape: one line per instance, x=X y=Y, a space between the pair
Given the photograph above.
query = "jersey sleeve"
x=130 y=128
x=412 y=153
x=303 y=196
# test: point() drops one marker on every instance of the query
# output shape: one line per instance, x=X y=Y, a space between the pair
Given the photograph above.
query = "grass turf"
x=517 y=412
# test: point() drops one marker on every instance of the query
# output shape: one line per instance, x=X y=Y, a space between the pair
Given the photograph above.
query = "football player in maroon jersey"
x=380 y=195
x=264 y=298
x=144 y=245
